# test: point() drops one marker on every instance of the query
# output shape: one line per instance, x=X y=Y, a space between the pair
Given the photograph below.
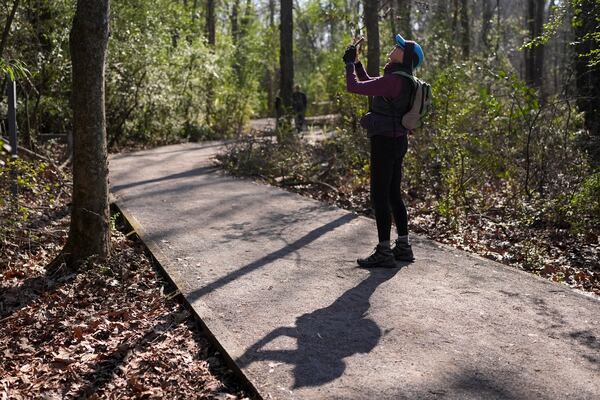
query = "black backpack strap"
x=413 y=83
x=409 y=55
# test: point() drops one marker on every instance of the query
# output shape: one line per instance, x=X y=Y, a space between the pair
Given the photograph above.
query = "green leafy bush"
x=585 y=204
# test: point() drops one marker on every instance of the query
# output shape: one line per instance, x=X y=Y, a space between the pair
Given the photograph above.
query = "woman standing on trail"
x=392 y=94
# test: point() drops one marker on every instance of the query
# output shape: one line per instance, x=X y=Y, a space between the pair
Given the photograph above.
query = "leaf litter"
x=110 y=330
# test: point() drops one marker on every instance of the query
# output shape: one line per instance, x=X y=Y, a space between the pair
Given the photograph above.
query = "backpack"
x=420 y=102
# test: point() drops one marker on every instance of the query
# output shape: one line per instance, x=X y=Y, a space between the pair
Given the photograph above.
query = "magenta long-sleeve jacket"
x=387 y=86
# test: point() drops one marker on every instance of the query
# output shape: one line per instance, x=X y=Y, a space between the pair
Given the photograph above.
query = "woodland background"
x=507 y=166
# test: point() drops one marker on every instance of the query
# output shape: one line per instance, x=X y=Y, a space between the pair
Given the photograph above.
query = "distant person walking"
x=392 y=94
x=299 y=104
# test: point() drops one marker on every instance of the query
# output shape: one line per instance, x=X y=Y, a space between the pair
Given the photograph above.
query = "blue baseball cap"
x=418 y=50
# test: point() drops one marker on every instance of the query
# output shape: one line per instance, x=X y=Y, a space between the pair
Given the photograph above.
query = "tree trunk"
x=210 y=23
x=269 y=72
x=89 y=231
x=371 y=23
x=539 y=50
x=403 y=18
x=487 y=13
x=210 y=29
x=588 y=77
x=7 y=26
x=455 y=13
x=465 y=32
x=534 y=57
x=235 y=30
x=271 y=13
x=393 y=18
x=498 y=29
x=286 y=56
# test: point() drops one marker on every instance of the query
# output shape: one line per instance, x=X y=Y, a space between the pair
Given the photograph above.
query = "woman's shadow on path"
x=326 y=336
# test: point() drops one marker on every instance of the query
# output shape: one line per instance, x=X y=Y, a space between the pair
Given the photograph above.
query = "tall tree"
x=487 y=13
x=7 y=25
x=286 y=56
x=210 y=22
x=235 y=31
x=371 y=22
x=89 y=232
x=271 y=13
x=403 y=8
x=211 y=38
x=270 y=71
x=587 y=67
x=534 y=57
x=465 y=31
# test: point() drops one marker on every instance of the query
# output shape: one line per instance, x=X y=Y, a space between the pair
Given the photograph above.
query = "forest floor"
x=109 y=330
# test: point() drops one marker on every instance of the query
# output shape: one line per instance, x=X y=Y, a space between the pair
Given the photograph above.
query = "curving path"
x=273 y=277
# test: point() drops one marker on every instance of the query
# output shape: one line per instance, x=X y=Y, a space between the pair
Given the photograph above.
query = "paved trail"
x=273 y=276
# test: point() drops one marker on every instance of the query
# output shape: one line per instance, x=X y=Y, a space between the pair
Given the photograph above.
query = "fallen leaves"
x=107 y=331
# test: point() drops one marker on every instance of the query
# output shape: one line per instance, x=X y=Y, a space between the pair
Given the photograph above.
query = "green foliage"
x=4 y=152
x=587 y=12
x=161 y=76
x=15 y=69
x=489 y=131
x=29 y=179
x=585 y=205
x=558 y=15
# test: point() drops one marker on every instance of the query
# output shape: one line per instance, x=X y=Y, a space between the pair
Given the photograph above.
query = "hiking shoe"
x=403 y=252
x=381 y=258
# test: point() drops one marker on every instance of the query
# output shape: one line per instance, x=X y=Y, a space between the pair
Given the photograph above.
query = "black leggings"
x=387 y=154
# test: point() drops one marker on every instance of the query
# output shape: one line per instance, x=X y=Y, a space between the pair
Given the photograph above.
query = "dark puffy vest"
x=394 y=106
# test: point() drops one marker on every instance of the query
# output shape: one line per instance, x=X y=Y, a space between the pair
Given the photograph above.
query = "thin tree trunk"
x=498 y=29
x=271 y=13
x=529 y=55
x=465 y=32
x=540 y=12
x=371 y=16
x=210 y=22
x=269 y=75
x=89 y=231
x=210 y=29
x=393 y=18
x=235 y=31
x=403 y=17
x=286 y=56
x=487 y=14
x=7 y=26
x=455 y=13
x=588 y=76
x=534 y=57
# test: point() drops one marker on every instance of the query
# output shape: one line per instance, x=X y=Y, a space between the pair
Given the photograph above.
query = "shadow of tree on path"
x=186 y=174
x=326 y=336
x=284 y=251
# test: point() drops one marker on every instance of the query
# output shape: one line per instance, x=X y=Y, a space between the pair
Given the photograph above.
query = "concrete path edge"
x=202 y=314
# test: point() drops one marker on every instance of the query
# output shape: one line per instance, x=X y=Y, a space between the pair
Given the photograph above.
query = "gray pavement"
x=273 y=276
